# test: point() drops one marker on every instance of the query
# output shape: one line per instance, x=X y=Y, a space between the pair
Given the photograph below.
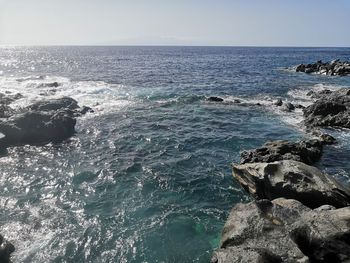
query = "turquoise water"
x=147 y=177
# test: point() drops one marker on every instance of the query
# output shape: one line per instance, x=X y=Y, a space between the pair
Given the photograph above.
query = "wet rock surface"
x=42 y=122
x=333 y=68
x=6 y=248
x=284 y=230
x=215 y=99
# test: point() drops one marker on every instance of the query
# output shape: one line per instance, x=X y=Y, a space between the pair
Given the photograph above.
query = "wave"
x=99 y=95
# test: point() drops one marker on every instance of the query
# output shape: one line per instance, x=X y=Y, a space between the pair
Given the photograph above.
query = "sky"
x=318 y=23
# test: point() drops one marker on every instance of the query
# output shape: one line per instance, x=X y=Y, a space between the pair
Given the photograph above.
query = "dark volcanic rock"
x=330 y=110
x=5 y=100
x=42 y=122
x=279 y=102
x=36 y=127
x=55 y=104
x=284 y=231
x=50 y=85
x=6 y=248
x=216 y=99
x=333 y=68
x=288 y=106
x=85 y=110
x=327 y=139
x=291 y=179
x=303 y=151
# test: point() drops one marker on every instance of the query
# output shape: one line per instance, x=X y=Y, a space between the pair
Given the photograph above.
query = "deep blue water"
x=147 y=177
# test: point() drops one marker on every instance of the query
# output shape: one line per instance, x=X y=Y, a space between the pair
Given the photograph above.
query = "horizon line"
x=165 y=45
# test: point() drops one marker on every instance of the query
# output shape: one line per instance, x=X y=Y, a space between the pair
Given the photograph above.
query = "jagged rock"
x=50 y=85
x=299 y=106
x=284 y=230
x=304 y=151
x=335 y=67
x=8 y=98
x=35 y=127
x=288 y=106
x=85 y=110
x=6 y=248
x=5 y=111
x=42 y=122
x=279 y=102
x=291 y=179
x=327 y=139
x=5 y=100
x=332 y=109
x=215 y=99
x=55 y=104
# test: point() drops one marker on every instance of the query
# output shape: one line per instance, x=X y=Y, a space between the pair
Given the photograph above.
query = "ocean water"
x=147 y=177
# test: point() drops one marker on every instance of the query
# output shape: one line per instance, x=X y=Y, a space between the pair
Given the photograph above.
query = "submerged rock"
x=304 y=151
x=215 y=99
x=6 y=248
x=284 y=230
x=291 y=179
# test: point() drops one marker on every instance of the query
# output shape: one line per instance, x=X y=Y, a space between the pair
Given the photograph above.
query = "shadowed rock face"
x=291 y=179
x=215 y=99
x=284 y=230
x=5 y=100
x=333 y=68
x=55 y=104
x=6 y=248
x=42 y=122
x=303 y=151
x=332 y=109
x=37 y=127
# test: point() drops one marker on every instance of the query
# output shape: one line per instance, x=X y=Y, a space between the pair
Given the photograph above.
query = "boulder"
x=327 y=139
x=291 y=179
x=284 y=230
x=35 y=127
x=85 y=110
x=215 y=99
x=288 y=107
x=279 y=102
x=307 y=151
x=6 y=248
x=330 y=110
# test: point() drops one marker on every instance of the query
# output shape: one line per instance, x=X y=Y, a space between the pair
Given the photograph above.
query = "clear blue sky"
x=175 y=22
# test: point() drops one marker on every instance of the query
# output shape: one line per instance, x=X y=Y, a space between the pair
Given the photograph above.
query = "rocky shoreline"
x=46 y=121
x=300 y=214
x=333 y=68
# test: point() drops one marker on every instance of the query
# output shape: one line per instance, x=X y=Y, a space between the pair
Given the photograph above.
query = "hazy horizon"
x=255 y=23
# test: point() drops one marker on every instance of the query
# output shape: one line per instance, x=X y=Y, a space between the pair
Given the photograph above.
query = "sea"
x=147 y=176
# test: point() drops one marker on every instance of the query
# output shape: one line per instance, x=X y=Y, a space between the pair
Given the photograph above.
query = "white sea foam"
x=99 y=95
x=300 y=94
